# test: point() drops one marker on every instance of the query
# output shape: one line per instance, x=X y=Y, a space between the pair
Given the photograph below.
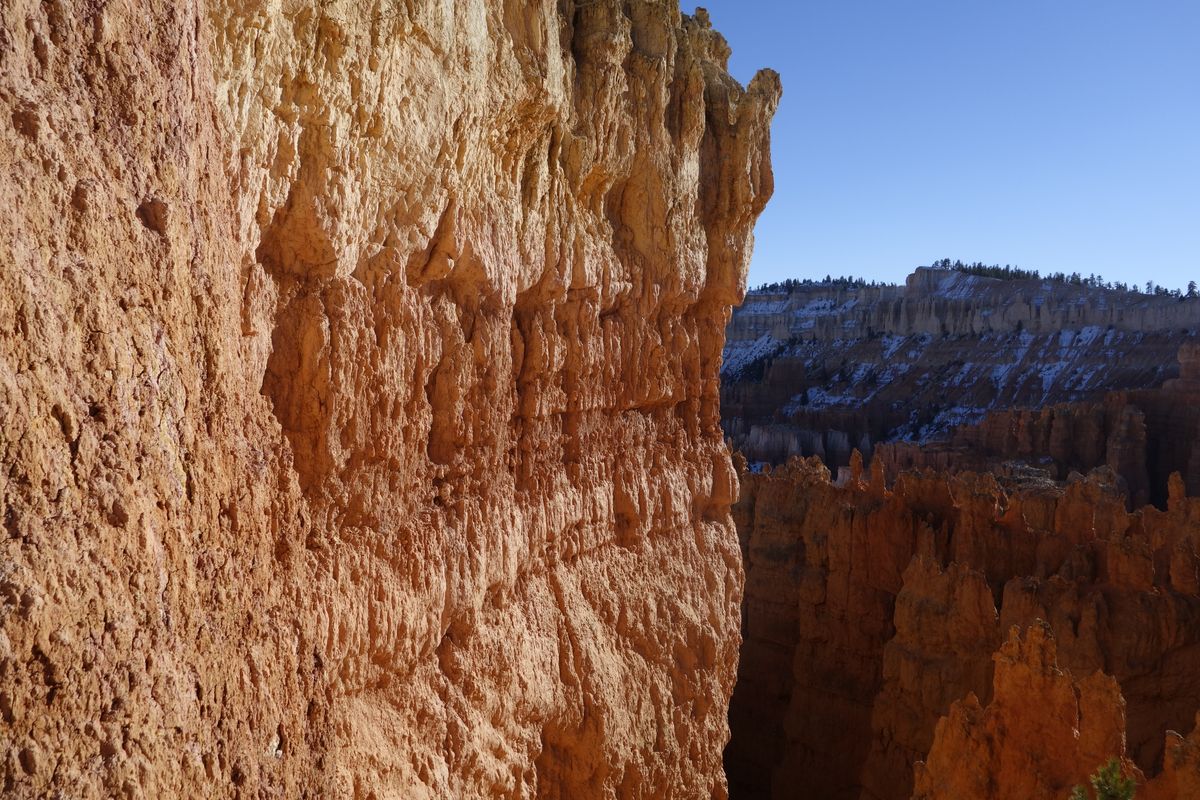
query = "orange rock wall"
x=358 y=366
x=870 y=611
x=1043 y=730
x=1040 y=736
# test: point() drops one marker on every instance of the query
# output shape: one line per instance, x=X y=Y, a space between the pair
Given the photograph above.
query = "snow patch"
x=740 y=355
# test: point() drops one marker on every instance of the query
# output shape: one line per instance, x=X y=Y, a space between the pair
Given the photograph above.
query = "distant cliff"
x=823 y=369
x=1143 y=436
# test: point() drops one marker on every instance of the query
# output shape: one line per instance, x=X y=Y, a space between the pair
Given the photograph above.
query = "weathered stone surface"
x=928 y=666
x=1042 y=734
x=1144 y=436
x=1180 y=778
x=1189 y=369
x=359 y=366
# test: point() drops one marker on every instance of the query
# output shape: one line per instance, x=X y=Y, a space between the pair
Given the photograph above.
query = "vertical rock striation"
x=1041 y=733
x=1043 y=730
x=360 y=375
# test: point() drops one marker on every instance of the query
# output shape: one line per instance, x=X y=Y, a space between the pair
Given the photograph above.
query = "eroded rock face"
x=872 y=610
x=822 y=369
x=359 y=366
x=1041 y=732
x=1189 y=369
x=1143 y=436
x=1043 y=729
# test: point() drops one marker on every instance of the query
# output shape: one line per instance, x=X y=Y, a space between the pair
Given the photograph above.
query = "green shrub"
x=1109 y=784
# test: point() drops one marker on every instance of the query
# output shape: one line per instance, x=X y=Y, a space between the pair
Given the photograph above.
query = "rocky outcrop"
x=1042 y=730
x=928 y=667
x=824 y=369
x=1143 y=436
x=360 y=369
x=1189 y=370
x=1180 y=777
x=871 y=611
x=1040 y=735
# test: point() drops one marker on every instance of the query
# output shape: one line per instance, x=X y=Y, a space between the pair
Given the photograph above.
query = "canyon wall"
x=359 y=366
x=824 y=369
x=947 y=302
x=1143 y=436
x=872 y=612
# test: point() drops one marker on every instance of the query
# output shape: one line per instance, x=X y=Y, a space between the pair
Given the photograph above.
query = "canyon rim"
x=359 y=375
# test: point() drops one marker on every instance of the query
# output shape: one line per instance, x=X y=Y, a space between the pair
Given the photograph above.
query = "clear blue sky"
x=1050 y=134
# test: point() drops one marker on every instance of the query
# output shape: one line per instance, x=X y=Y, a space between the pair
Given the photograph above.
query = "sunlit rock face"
x=1040 y=735
x=1043 y=730
x=359 y=365
x=873 y=611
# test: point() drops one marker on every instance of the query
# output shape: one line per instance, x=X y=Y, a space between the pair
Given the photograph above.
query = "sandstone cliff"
x=872 y=610
x=825 y=369
x=359 y=366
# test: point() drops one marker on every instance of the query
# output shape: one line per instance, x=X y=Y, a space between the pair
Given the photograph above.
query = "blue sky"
x=1050 y=134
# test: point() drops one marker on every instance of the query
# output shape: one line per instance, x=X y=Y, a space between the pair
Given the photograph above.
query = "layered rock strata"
x=870 y=611
x=942 y=301
x=1143 y=436
x=826 y=369
x=359 y=366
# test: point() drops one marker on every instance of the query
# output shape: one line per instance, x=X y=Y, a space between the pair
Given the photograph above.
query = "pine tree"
x=1109 y=784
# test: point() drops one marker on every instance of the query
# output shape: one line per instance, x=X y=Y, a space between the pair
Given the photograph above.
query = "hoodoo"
x=979 y=627
x=359 y=372
x=998 y=594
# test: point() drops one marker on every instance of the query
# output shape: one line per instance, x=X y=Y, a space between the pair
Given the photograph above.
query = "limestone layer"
x=359 y=369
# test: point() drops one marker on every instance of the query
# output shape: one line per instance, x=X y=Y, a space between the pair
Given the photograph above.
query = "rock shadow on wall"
x=297 y=252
